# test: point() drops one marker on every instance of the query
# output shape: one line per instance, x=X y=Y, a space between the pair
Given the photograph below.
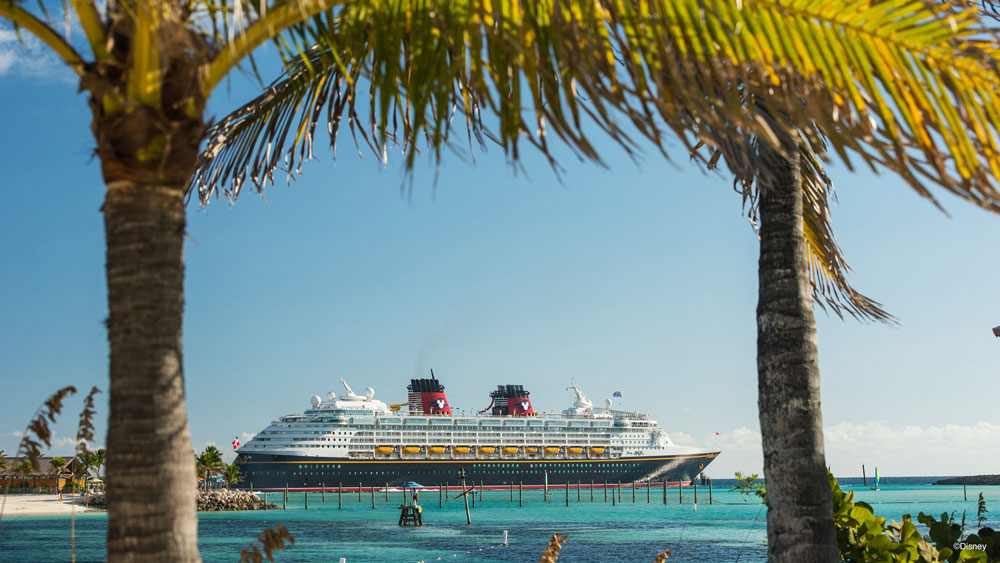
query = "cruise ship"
x=357 y=440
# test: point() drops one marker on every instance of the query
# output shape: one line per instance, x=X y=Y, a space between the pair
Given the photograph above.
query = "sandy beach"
x=41 y=505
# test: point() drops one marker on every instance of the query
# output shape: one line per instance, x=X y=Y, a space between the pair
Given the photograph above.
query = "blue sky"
x=638 y=278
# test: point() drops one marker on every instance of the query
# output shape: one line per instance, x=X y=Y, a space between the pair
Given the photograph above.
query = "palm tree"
x=662 y=65
x=231 y=475
x=209 y=463
x=3 y=462
x=879 y=80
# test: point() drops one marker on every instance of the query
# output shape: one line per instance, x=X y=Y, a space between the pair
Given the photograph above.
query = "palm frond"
x=911 y=85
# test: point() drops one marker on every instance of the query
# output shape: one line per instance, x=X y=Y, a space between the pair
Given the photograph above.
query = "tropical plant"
x=857 y=71
x=747 y=486
x=904 y=85
x=3 y=462
x=231 y=474
x=209 y=463
x=58 y=463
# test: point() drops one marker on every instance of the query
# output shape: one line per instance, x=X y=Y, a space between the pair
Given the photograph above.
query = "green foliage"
x=864 y=537
x=981 y=511
x=748 y=486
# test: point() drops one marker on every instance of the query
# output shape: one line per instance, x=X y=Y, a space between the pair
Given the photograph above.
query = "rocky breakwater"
x=223 y=500
x=208 y=501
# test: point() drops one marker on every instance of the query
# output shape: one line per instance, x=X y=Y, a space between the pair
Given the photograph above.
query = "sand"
x=41 y=505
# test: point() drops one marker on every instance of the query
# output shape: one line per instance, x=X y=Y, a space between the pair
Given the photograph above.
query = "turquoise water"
x=729 y=530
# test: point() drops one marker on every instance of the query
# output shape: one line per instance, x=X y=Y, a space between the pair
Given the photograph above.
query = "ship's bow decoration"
x=511 y=400
x=426 y=396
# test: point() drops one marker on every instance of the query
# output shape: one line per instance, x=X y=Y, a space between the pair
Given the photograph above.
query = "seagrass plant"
x=905 y=85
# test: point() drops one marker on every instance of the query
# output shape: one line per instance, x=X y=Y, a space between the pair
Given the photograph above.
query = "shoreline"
x=43 y=505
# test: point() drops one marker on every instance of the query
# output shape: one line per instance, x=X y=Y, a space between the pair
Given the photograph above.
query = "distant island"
x=971 y=480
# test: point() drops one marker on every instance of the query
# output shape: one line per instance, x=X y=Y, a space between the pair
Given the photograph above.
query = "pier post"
x=545 y=494
x=285 y=500
x=613 y=498
x=359 y=492
x=605 y=491
x=265 y=500
x=465 y=495
x=965 y=494
x=340 y=496
x=591 y=490
x=578 y=491
x=324 y=493
x=251 y=487
x=520 y=493
x=567 y=493
x=619 y=489
x=680 y=492
x=647 y=491
x=386 y=491
x=664 y=492
x=633 y=492
x=511 y=491
x=373 y=497
x=709 y=490
x=440 y=496
x=695 y=483
x=480 y=491
x=446 y=491
x=305 y=496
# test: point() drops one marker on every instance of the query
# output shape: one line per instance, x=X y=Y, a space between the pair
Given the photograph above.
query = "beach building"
x=21 y=477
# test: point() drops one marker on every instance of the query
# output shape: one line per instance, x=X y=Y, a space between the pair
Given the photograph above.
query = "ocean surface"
x=730 y=529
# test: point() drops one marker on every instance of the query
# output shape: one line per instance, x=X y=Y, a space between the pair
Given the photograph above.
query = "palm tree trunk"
x=151 y=492
x=800 y=510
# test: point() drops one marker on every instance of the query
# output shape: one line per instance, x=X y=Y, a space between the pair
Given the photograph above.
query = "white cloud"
x=23 y=54
x=904 y=450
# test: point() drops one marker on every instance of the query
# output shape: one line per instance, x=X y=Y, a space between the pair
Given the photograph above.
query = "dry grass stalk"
x=84 y=434
x=39 y=426
x=271 y=540
x=551 y=553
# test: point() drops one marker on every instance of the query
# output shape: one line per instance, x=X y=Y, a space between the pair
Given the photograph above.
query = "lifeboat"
x=510 y=449
x=411 y=449
x=486 y=449
x=461 y=449
x=596 y=450
x=552 y=449
x=384 y=450
x=531 y=450
x=574 y=450
x=436 y=450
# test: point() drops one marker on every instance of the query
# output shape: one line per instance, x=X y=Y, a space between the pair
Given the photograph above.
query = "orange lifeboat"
x=384 y=450
x=597 y=450
x=510 y=449
x=486 y=449
x=461 y=449
x=552 y=449
x=531 y=450
x=574 y=450
x=436 y=450
x=411 y=449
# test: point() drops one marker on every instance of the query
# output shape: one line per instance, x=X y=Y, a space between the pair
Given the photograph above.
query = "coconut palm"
x=904 y=86
x=3 y=462
x=209 y=463
x=58 y=463
x=568 y=67
x=231 y=475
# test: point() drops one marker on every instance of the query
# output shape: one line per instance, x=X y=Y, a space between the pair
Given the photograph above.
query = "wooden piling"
x=619 y=489
x=386 y=491
x=664 y=492
x=284 y=501
x=465 y=495
x=373 y=497
x=324 y=493
x=577 y=491
x=359 y=492
x=695 y=483
x=647 y=491
x=480 y=491
x=633 y=492
x=440 y=496
x=613 y=498
x=446 y=491
x=680 y=492
x=605 y=491
x=709 y=490
x=520 y=493
x=511 y=491
x=567 y=493
x=965 y=493
x=591 y=490
x=340 y=496
x=545 y=494
x=305 y=497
